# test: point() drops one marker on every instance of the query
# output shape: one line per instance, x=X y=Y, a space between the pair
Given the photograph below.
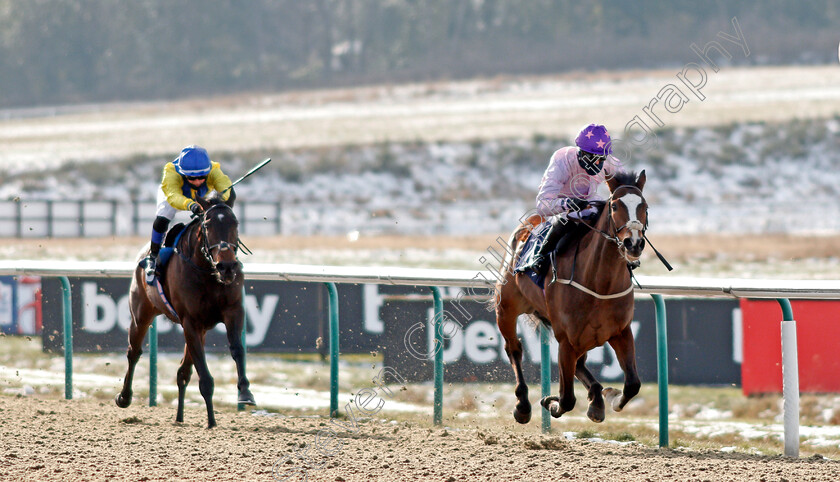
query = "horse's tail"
x=513 y=243
x=508 y=262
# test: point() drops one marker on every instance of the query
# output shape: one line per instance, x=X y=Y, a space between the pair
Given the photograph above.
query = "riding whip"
x=255 y=169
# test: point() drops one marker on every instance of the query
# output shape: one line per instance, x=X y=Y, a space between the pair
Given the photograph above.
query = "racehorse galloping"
x=202 y=284
x=589 y=302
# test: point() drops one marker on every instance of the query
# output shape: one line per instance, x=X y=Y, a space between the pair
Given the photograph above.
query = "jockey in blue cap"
x=190 y=176
x=570 y=182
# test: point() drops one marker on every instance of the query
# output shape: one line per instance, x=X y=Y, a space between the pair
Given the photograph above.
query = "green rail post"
x=545 y=375
x=787 y=310
x=153 y=356
x=67 y=311
x=662 y=367
x=241 y=406
x=333 y=349
x=438 y=406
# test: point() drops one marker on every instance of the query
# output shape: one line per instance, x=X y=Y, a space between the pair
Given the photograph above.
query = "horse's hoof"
x=596 y=414
x=522 y=414
x=211 y=425
x=546 y=401
x=555 y=410
x=613 y=397
x=246 y=399
x=121 y=402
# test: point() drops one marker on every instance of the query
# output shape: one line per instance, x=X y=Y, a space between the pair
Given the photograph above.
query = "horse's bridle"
x=207 y=248
x=633 y=224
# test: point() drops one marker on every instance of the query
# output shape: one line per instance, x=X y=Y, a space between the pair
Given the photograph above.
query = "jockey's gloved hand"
x=576 y=204
x=196 y=209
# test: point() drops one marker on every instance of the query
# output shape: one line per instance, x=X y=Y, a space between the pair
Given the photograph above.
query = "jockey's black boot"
x=558 y=229
x=151 y=263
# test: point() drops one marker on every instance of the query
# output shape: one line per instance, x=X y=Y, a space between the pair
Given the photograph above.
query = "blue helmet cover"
x=193 y=161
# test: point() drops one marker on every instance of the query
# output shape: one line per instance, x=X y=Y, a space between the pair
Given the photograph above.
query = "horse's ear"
x=640 y=180
x=613 y=183
x=202 y=202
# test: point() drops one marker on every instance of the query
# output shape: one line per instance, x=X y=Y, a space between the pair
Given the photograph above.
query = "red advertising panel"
x=818 y=342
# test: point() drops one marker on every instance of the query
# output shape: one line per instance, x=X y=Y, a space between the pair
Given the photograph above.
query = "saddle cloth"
x=169 y=243
x=531 y=247
x=539 y=228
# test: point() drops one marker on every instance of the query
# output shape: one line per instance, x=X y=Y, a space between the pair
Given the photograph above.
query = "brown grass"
x=749 y=247
x=706 y=246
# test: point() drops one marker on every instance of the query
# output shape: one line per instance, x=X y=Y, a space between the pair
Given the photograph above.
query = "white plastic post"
x=790 y=388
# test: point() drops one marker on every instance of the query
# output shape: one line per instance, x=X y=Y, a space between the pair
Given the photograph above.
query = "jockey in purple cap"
x=569 y=184
x=192 y=174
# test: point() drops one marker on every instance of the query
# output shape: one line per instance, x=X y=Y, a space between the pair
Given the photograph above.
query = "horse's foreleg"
x=567 y=359
x=136 y=333
x=596 y=400
x=237 y=352
x=195 y=345
x=184 y=375
x=625 y=352
x=513 y=347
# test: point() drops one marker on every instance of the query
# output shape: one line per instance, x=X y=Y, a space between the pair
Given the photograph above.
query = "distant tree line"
x=71 y=51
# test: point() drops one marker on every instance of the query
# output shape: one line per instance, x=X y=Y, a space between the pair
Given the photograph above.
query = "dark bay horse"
x=587 y=301
x=202 y=284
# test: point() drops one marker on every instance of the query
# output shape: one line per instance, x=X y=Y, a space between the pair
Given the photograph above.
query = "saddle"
x=170 y=241
x=534 y=233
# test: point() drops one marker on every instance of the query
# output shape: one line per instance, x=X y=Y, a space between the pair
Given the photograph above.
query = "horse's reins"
x=614 y=238
x=207 y=249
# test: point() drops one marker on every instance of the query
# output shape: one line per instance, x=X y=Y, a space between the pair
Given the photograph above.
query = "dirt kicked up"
x=92 y=440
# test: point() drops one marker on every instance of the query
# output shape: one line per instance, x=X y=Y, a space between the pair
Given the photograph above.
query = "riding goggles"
x=591 y=163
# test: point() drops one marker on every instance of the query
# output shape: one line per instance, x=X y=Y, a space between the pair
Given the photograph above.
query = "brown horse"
x=587 y=302
x=202 y=284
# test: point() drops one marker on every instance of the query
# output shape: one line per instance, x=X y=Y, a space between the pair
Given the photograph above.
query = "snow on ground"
x=745 y=178
x=759 y=154
x=27 y=381
x=451 y=111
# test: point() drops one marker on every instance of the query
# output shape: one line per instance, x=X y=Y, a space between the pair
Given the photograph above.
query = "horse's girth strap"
x=166 y=301
x=586 y=290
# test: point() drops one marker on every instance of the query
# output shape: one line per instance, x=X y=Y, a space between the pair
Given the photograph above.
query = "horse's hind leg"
x=184 y=375
x=237 y=352
x=594 y=388
x=141 y=318
x=195 y=345
x=625 y=352
x=506 y=319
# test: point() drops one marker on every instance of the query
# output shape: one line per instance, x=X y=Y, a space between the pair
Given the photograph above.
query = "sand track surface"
x=93 y=440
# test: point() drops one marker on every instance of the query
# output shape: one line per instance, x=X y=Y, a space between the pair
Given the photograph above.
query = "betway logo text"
x=480 y=342
x=101 y=314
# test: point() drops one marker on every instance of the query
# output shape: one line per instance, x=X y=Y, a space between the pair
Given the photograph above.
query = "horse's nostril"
x=628 y=243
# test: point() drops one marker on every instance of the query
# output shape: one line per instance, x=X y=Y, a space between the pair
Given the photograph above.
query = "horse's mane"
x=625 y=178
x=214 y=198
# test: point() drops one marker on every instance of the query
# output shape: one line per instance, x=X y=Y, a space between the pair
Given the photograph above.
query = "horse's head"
x=219 y=238
x=628 y=213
